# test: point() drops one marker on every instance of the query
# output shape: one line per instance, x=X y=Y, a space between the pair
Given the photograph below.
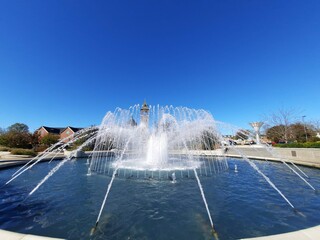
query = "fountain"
x=164 y=141
x=152 y=144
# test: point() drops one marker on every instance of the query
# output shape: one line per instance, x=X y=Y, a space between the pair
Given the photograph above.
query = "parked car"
x=249 y=142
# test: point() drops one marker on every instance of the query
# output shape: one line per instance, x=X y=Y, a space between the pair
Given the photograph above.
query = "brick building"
x=68 y=131
x=44 y=131
x=61 y=132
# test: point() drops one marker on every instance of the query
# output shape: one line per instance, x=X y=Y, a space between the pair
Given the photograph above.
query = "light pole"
x=305 y=129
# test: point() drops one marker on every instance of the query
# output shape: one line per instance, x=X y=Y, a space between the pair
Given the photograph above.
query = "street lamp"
x=305 y=129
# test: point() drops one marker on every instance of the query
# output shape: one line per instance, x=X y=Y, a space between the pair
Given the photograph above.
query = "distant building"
x=61 y=132
x=44 y=131
x=67 y=133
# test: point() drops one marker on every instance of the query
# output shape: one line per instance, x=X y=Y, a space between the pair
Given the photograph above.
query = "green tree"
x=35 y=137
x=17 y=136
x=18 y=140
x=49 y=139
x=19 y=127
x=3 y=137
x=276 y=133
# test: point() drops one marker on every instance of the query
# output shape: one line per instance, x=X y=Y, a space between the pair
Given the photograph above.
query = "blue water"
x=242 y=204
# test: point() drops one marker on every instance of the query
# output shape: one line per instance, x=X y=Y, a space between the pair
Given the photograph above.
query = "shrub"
x=314 y=139
x=88 y=148
x=40 y=148
x=5 y=149
x=18 y=140
x=312 y=144
x=299 y=145
x=50 y=139
x=20 y=151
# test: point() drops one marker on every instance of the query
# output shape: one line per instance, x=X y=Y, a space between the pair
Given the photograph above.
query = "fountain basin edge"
x=305 y=234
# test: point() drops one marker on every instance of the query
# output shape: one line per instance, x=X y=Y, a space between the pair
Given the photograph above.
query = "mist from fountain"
x=171 y=140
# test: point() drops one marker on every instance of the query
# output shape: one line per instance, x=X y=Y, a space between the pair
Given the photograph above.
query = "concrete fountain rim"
x=304 y=234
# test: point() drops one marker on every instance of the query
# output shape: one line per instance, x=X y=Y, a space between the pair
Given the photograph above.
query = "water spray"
x=213 y=230
x=104 y=202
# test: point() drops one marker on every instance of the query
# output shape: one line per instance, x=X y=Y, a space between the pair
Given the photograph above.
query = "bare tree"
x=315 y=124
x=2 y=131
x=315 y=127
x=284 y=118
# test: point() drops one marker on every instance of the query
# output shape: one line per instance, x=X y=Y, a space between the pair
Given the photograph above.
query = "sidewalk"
x=9 y=160
x=7 y=235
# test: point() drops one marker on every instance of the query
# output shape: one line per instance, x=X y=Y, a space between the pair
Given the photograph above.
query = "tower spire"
x=144 y=113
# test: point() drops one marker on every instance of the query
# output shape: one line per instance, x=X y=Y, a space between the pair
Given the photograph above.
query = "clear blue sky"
x=69 y=62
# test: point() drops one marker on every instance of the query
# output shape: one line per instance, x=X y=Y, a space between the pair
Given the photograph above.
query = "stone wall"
x=301 y=156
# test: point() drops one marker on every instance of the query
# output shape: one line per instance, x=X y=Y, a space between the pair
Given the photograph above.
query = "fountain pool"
x=242 y=204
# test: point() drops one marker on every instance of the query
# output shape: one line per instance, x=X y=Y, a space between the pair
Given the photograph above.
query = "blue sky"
x=69 y=62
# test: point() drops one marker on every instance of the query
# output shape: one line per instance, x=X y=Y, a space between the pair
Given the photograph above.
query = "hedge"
x=21 y=151
x=299 y=145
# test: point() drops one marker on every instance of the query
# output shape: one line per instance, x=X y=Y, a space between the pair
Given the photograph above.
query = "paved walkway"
x=305 y=234
x=8 y=161
x=7 y=235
